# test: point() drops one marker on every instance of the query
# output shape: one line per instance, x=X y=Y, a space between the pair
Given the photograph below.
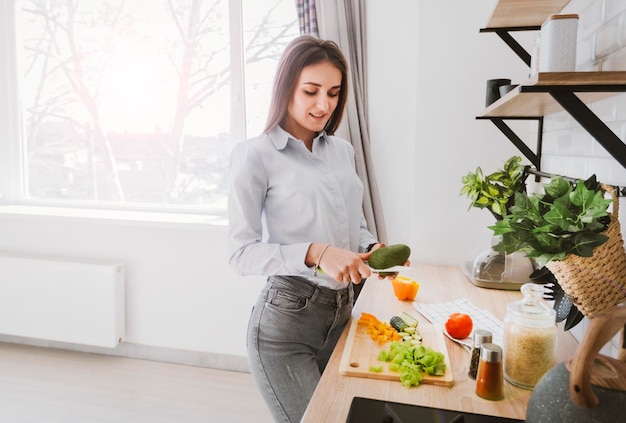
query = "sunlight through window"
x=132 y=103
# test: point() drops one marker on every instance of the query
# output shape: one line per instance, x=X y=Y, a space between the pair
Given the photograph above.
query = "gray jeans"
x=292 y=332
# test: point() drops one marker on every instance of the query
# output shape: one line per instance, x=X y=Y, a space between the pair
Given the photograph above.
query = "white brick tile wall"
x=606 y=109
x=567 y=148
x=608 y=38
x=583 y=144
x=584 y=53
x=562 y=141
x=620 y=100
x=590 y=18
x=615 y=61
x=560 y=120
x=613 y=8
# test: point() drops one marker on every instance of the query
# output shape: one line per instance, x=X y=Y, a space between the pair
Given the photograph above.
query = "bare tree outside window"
x=129 y=102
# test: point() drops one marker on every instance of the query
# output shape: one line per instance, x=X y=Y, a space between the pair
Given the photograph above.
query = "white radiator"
x=56 y=299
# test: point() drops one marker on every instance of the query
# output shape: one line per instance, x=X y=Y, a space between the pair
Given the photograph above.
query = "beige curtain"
x=343 y=21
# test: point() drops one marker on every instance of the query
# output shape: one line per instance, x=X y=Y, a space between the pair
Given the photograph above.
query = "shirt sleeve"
x=249 y=254
x=366 y=238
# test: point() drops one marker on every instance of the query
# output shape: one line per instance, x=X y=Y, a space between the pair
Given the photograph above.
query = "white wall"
x=180 y=292
x=428 y=69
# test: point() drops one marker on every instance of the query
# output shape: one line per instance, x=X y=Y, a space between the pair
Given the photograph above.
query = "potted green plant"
x=495 y=191
x=567 y=218
x=569 y=230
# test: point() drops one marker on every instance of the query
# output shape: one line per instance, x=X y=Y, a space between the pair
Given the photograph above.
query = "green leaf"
x=482 y=201
x=544 y=239
x=497 y=209
x=509 y=243
x=501 y=227
x=584 y=243
x=498 y=176
x=581 y=196
x=543 y=259
x=559 y=215
x=494 y=191
x=543 y=229
x=522 y=204
x=557 y=187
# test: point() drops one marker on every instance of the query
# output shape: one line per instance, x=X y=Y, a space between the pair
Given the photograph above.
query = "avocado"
x=389 y=256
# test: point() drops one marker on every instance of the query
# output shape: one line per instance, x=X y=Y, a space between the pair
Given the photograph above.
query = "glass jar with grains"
x=529 y=338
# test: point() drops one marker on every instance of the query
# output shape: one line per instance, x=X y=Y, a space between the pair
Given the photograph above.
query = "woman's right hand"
x=343 y=265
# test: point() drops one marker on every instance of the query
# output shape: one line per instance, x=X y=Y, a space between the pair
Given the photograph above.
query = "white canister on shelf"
x=558 y=43
x=534 y=57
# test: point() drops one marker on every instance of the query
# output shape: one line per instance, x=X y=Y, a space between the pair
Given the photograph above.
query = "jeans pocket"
x=285 y=299
x=249 y=325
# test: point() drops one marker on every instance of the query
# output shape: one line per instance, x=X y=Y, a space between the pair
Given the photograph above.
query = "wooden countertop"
x=332 y=398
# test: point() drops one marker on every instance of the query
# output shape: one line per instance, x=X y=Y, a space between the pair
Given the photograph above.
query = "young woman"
x=295 y=216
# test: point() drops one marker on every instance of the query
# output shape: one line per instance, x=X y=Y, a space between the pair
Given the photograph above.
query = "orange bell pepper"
x=404 y=288
x=378 y=330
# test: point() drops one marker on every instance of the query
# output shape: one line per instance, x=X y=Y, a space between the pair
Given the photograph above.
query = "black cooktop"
x=367 y=410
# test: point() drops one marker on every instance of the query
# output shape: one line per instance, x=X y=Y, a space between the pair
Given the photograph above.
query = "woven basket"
x=597 y=282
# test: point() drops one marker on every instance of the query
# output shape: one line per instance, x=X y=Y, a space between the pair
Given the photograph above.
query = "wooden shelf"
x=520 y=15
x=532 y=98
x=523 y=13
x=549 y=92
x=552 y=92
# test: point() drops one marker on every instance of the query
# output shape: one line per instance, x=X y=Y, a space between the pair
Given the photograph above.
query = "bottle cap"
x=482 y=336
x=491 y=353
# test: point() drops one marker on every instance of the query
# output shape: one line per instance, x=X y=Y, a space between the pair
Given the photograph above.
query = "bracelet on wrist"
x=319 y=259
x=369 y=247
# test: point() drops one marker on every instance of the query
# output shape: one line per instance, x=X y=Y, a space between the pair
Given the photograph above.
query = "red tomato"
x=459 y=325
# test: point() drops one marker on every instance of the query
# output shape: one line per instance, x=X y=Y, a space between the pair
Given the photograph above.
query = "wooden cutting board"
x=361 y=352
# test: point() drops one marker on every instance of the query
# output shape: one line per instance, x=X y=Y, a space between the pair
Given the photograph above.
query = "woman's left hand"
x=389 y=275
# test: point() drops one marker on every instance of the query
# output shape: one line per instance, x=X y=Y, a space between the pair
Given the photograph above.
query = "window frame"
x=11 y=176
x=12 y=164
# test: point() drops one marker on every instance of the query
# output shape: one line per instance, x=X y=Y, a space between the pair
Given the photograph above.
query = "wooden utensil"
x=588 y=368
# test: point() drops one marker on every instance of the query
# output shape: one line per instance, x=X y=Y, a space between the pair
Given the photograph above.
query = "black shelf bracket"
x=570 y=102
x=588 y=120
x=533 y=157
x=504 y=34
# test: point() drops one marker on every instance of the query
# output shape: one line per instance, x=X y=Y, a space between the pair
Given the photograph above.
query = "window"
x=138 y=103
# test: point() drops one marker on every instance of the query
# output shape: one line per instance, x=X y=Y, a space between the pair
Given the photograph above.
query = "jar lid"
x=482 y=336
x=491 y=353
x=532 y=310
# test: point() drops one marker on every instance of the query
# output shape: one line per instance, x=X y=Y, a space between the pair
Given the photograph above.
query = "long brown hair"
x=304 y=51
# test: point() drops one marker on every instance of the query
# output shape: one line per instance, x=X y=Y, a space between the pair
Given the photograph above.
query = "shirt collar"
x=280 y=137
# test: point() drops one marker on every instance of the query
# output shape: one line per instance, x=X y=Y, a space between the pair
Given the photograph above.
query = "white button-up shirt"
x=283 y=197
